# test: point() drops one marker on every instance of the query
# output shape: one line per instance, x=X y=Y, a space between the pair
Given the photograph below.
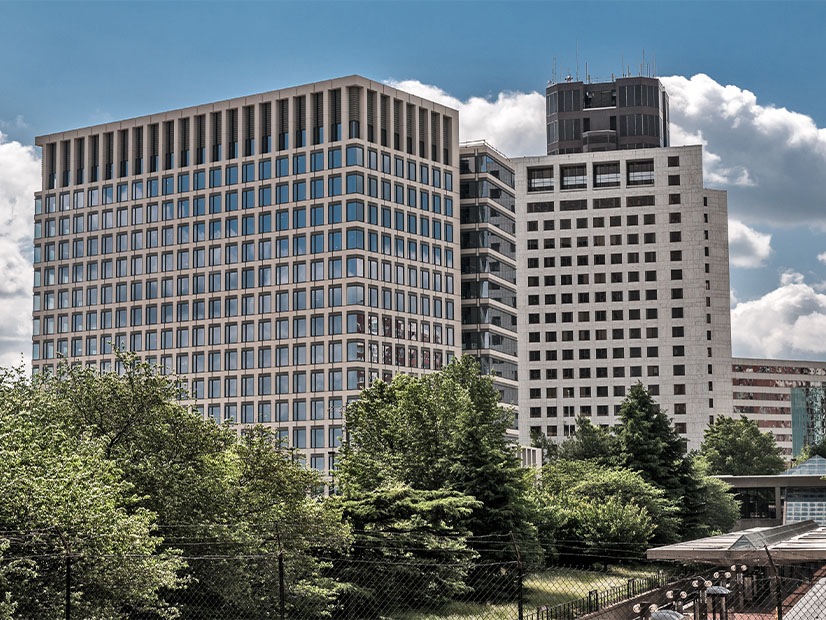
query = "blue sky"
x=72 y=64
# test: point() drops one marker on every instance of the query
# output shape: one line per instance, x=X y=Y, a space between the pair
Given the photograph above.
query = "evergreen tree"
x=649 y=444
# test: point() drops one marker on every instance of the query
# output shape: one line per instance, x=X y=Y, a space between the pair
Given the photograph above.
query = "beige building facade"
x=622 y=276
x=278 y=252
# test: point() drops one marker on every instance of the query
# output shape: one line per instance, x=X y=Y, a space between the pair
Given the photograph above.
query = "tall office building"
x=488 y=245
x=622 y=276
x=627 y=113
x=278 y=251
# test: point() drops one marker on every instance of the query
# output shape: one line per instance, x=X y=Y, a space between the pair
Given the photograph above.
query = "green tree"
x=409 y=550
x=573 y=495
x=60 y=493
x=736 y=447
x=810 y=450
x=444 y=430
x=649 y=444
x=237 y=498
x=590 y=442
x=711 y=507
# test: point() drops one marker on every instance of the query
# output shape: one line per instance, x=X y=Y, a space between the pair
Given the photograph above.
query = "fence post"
x=518 y=575
x=778 y=584
x=281 y=597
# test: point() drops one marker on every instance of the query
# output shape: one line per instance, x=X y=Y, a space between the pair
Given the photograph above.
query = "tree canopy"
x=736 y=447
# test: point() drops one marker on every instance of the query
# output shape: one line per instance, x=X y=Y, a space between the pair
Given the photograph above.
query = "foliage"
x=61 y=493
x=737 y=448
x=216 y=492
x=590 y=442
x=442 y=430
x=648 y=443
x=548 y=449
x=409 y=547
x=593 y=511
x=810 y=450
x=712 y=508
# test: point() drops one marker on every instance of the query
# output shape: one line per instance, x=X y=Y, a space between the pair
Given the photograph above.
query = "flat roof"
x=788 y=544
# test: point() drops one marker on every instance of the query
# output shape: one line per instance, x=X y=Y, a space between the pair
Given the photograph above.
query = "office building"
x=626 y=113
x=785 y=397
x=622 y=276
x=488 y=264
x=278 y=251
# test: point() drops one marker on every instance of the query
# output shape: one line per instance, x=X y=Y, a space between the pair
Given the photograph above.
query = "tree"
x=810 y=450
x=711 y=507
x=238 y=498
x=736 y=447
x=648 y=443
x=590 y=442
x=60 y=493
x=445 y=430
x=573 y=496
x=409 y=550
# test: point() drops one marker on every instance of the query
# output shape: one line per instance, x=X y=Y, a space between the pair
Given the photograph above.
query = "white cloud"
x=788 y=322
x=822 y=257
x=512 y=122
x=19 y=179
x=18 y=123
x=771 y=159
x=747 y=247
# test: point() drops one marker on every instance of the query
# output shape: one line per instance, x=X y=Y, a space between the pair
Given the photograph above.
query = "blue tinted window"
x=248 y=172
x=282 y=167
x=355 y=156
x=265 y=196
x=199 y=179
x=282 y=194
x=334 y=213
x=265 y=169
x=299 y=218
x=317 y=216
x=355 y=183
x=299 y=191
x=299 y=164
x=215 y=177
x=317 y=161
x=232 y=201
x=183 y=182
x=334 y=186
x=317 y=188
x=334 y=158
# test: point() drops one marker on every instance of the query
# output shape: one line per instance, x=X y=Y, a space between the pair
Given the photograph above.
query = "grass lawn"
x=551 y=587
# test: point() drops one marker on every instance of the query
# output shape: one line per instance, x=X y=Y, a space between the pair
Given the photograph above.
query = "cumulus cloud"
x=771 y=159
x=512 y=122
x=747 y=247
x=788 y=322
x=19 y=179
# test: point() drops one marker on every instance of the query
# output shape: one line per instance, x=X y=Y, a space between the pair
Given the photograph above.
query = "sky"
x=745 y=80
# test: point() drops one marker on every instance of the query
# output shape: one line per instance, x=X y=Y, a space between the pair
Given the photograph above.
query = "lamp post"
x=700 y=584
x=644 y=609
x=739 y=572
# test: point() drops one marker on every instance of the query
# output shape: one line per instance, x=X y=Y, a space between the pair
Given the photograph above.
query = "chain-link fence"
x=392 y=577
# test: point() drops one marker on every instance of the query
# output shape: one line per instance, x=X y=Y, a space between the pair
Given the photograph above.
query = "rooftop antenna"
x=554 y=71
x=622 y=66
x=577 y=61
x=655 y=65
x=643 y=59
x=587 y=77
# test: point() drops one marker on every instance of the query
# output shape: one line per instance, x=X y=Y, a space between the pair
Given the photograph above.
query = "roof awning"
x=788 y=544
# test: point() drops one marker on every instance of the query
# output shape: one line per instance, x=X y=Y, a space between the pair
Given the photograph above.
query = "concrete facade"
x=622 y=276
x=279 y=251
